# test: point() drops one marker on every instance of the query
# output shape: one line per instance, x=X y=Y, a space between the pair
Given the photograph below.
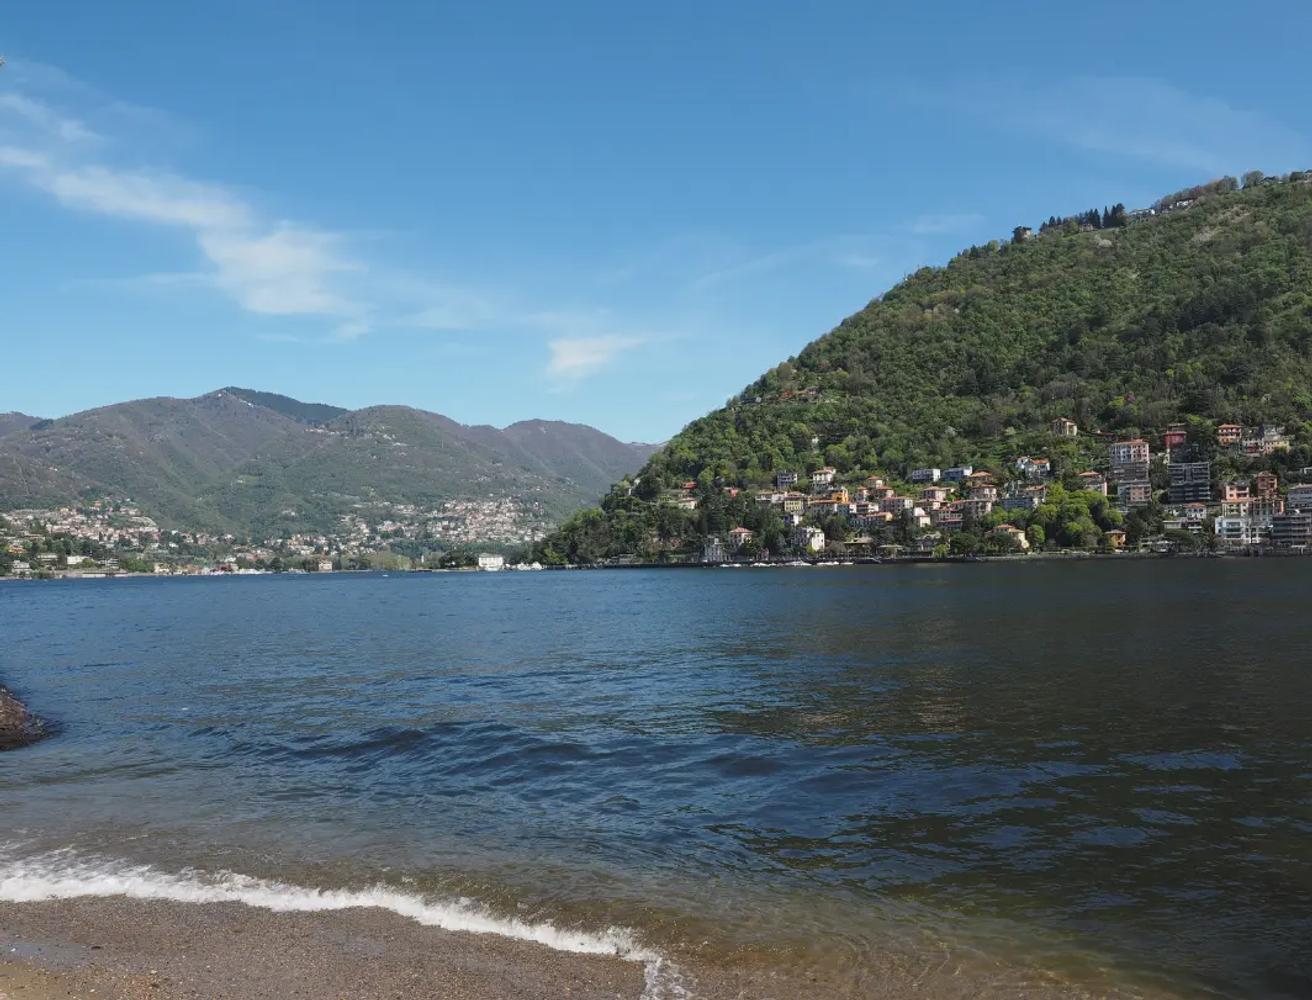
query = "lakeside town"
x=1168 y=499
x=1140 y=499
x=107 y=537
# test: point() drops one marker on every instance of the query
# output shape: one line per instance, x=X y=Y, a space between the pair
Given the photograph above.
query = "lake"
x=1091 y=777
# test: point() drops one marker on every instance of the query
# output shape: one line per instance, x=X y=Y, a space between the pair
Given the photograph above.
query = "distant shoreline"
x=795 y=562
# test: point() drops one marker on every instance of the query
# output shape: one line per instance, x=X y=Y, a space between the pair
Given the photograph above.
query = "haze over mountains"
x=257 y=463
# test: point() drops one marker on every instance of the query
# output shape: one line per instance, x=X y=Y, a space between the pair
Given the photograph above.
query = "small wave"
x=65 y=875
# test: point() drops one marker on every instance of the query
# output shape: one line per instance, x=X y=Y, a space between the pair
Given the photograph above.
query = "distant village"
x=1191 y=510
x=107 y=537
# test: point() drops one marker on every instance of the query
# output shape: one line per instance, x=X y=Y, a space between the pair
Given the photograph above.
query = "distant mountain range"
x=258 y=463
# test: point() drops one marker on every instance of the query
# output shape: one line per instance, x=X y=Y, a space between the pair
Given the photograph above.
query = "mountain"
x=15 y=421
x=1199 y=311
x=254 y=463
x=315 y=414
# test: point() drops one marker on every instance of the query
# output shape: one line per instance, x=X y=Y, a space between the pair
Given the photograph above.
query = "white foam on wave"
x=65 y=875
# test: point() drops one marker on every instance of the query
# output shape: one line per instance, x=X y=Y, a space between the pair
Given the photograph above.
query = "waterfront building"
x=1292 y=530
x=1300 y=497
x=809 y=539
x=1129 y=460
x=1134 y=493
x=739 y=537
x=1191 y=482
x=713 y=550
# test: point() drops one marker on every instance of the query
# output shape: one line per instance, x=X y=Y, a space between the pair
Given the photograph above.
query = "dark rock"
x=18 y=726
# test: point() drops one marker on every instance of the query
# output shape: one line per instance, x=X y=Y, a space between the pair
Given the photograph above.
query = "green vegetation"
x=261 y=465
x=1201 y=314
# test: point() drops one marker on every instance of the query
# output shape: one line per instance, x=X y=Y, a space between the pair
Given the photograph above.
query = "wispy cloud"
x=576 y=358
x=945 y=223
x=1141 y=118
x=45 y=119
x=861 y=252
x=267 y=266
x=264 y=264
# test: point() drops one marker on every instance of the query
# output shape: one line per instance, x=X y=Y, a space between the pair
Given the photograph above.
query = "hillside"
x=257 y=463
x=15 y=421
x=1202 y=311
x=307 y=413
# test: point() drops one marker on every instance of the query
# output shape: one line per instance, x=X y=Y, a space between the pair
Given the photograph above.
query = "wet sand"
x=119 y=948
x=123 y=949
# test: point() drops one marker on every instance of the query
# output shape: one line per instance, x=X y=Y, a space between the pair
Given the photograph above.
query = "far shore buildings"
x=1228 y=435
x=1065 y=427
x=738 y=537
x=1191 y=482
x=1129 y=460
x=1094 y=482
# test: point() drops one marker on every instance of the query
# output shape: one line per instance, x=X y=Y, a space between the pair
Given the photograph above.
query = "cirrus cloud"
x=575 y=358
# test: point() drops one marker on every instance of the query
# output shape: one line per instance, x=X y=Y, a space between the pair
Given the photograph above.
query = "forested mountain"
x=1124 y=322
x=254 y=463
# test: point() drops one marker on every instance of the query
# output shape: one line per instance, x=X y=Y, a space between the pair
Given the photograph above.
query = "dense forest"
x=1199 y=311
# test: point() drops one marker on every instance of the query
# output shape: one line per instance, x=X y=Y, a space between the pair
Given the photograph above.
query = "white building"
x=926 y=475
x=491 y=562
x=823 y=476
x=808 y=538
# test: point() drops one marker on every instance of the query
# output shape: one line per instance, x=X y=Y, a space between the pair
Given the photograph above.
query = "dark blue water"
x=1092 y=776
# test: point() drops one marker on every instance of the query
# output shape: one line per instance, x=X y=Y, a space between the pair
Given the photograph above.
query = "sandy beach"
x=120 y=948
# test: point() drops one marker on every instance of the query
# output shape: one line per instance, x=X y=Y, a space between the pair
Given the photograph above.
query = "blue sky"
x=582 y=211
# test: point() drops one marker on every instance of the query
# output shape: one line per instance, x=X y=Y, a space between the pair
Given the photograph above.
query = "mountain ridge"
x=239 y=460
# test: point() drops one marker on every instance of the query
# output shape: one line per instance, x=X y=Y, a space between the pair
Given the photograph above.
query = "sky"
x=584 y=211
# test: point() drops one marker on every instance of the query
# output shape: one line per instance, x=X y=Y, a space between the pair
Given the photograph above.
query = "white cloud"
x=266 y=266
x=45 y=119
x=575 y=358
x=164 y=199
x=284 y=272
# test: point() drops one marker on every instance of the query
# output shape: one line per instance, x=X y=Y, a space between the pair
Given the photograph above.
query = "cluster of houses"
x=116 y=529
x=936 y=501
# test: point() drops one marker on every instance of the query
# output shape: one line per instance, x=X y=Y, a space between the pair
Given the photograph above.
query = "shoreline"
x=899 y=560
x=126 y=948
x=129 y=949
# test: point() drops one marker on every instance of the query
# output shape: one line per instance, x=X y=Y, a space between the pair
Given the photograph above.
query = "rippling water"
x=1087 y=776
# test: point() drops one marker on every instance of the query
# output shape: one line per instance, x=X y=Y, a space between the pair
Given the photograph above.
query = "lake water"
x=1090 y=776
